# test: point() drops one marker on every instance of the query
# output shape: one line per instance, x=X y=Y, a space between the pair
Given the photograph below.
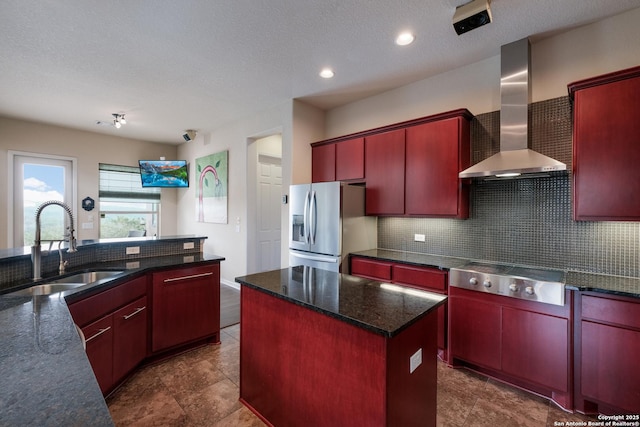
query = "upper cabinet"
x=338 y=161
x=409 y=168
x=606 y=147
x=350 y=159
x=384 y=163
x=323 y=163
x=435 y=153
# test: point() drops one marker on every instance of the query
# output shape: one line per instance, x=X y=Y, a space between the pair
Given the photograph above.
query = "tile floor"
x=200 y=388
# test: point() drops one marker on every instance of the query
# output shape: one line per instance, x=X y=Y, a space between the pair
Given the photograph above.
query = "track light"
x=118 y=120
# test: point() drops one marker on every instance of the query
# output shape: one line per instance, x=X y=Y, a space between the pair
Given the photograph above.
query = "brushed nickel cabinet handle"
x=193 y=276
x=100 y=332
x=138 y=310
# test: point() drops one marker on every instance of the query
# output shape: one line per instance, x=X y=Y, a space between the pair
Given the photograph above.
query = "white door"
x=37 y=179
x=268 y=214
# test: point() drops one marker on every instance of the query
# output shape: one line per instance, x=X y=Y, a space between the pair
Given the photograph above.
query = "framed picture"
x=211 y=178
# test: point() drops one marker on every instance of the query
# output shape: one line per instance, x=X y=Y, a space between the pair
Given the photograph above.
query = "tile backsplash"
x=526 y=221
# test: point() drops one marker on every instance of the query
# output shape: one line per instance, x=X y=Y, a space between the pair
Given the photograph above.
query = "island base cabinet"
x=330 y=371
x=186 y=306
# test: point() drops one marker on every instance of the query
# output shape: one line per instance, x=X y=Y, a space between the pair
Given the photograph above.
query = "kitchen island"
x=332 y=349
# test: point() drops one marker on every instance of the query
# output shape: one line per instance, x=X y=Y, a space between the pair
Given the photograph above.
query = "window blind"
x=123 y=183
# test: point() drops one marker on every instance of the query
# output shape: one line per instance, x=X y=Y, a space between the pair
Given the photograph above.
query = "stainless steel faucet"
x=36 y=253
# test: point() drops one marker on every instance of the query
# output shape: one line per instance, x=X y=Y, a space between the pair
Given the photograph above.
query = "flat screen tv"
x=164 y=173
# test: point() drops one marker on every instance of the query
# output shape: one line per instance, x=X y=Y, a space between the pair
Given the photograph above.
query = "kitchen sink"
x=84 y=278
x=47 y=289
x=66 y=283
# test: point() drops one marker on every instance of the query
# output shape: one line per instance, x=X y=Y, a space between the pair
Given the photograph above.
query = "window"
x=126 y=209
x=39 y=178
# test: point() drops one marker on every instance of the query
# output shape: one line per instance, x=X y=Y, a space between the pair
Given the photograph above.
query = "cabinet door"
x=606 y=152
x=370 y=268
x=350 y=159
x=323 y=163
x=130 y=337
x=186 y=306
x=432 y=166
x=99 y=341
x=475 y=331
x=535 y=347
x=610 y=373
x=384 y=163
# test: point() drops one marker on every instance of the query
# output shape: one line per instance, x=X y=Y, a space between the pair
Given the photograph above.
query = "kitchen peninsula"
x=48 y=379
x=337 y=349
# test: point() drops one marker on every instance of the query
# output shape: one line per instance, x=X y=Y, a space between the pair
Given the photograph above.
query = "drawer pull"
x=100 y=332
x=193 y=276
x=138 y=310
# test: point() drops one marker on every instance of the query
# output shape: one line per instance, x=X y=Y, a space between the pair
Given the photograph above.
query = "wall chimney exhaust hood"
x=515 y=159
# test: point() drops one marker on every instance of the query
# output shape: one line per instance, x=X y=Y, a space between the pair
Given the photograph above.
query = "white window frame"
x=12 y=157
x=102 y=191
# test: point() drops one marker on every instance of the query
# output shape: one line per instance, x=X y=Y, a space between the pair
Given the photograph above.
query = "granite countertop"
x=378 y=307
x=574 y=280
x=46 y=377
x=415 y=258
x=603 y=283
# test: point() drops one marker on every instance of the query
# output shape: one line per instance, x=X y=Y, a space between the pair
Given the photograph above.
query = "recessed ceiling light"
x=405 y=38
x=326 y=73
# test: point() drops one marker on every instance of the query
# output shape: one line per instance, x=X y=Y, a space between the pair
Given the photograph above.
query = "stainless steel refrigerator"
x=326 y=223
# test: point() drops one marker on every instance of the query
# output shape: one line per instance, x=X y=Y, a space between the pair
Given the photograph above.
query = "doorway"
x=264 y=204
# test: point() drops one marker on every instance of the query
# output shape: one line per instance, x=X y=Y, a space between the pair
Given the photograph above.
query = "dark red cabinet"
x=114 y=324
x=130 y=327
x=521 y=342
x=350 y=159
x=435 y=153
x=384 y=165
x=535 y=347
x=99 y=347
x=323 y=163
x=606 y=147
x=607 y=357
x=475 y=331
x=186 y=306
x=426 y=278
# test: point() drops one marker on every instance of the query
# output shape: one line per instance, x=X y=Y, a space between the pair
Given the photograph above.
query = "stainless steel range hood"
x=515 y=159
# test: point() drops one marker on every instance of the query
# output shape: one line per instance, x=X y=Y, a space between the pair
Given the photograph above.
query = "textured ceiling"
x=198 y=64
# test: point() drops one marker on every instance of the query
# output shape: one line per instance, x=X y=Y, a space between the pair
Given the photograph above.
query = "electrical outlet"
x=133 y=250
x=415 y=360
x=188 y=245
x=418 y=237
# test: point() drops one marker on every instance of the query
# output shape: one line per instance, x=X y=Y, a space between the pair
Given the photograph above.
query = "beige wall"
x=89 y=149
x=594 y=49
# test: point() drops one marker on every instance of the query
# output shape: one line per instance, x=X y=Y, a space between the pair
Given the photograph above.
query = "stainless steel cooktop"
x=532 y=284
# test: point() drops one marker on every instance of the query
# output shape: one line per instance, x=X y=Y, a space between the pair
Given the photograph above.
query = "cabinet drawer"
x=99 y=341
x=611 y=311
x=93 y=307
x=370 y=268
x=427 y=278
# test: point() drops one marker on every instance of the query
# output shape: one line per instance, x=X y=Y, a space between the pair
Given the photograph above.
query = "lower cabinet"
x=607 y=374
x=130 y=329
x=186 y=306
x=426 y=278
x=99 y=341
x=115 y=327
x=522 y=342
x=179 y=307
